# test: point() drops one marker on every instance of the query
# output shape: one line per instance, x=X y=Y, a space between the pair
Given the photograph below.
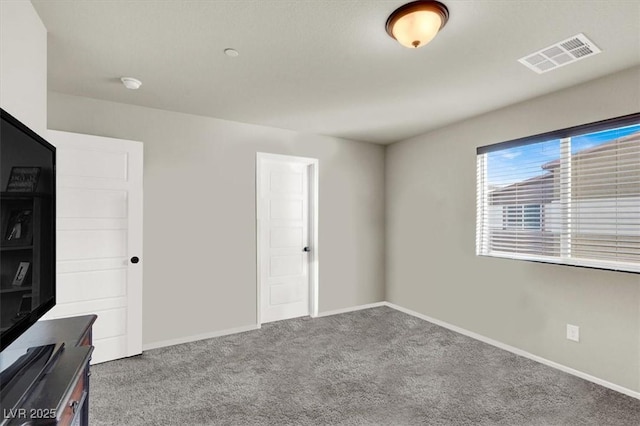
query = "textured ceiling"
x=326 y=67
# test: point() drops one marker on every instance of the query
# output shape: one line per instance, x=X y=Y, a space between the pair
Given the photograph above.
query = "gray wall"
x=431 y=263
x=199 y=212
x=23 y=64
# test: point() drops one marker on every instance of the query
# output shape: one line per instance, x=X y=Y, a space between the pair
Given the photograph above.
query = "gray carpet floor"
x=372 y=367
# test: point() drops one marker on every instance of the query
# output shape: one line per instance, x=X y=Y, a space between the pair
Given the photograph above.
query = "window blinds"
x=570 y=197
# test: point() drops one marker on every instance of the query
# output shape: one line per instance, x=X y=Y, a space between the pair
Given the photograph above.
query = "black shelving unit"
x=25 y=248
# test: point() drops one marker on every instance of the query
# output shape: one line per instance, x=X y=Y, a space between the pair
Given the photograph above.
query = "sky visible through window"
x=520 y=163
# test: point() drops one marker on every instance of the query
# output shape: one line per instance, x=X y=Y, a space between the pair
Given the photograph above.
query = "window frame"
x=570 y=132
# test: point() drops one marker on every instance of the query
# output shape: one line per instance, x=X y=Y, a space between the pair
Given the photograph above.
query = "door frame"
x=314 y=265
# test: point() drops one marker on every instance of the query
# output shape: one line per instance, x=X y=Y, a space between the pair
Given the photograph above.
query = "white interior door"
x=285 y=241
x=99 y=231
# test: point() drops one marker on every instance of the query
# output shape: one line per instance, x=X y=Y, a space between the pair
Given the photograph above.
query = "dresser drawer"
x=73 y=406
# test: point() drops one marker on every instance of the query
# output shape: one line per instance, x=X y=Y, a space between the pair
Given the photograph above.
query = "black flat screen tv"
x=27 y=228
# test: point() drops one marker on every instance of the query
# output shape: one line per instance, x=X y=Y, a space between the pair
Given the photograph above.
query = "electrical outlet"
x=573 y=332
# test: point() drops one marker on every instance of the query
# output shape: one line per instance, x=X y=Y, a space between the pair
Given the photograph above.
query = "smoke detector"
x=560 y=54
x=131 y=83
x=231 y=52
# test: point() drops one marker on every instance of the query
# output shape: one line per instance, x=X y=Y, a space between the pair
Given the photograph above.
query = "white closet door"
x=284 y=240
x=99 y=237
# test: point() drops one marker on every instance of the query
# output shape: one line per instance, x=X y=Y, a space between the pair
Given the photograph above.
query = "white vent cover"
x=560 y=54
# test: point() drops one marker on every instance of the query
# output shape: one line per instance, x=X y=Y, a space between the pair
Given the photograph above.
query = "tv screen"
x=27 y=228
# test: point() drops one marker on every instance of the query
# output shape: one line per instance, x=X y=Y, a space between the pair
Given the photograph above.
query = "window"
x=570 y=197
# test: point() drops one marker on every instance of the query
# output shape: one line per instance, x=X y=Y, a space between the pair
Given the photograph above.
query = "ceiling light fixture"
x=417 y=23
x=131 y=83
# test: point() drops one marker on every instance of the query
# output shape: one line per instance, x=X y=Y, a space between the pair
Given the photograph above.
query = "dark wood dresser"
x=61 y=396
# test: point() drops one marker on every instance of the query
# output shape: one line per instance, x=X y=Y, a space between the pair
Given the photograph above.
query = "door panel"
x=286 y=209
x=96 y=284
x=286 y=182
x=287 y=237
x=284 y=293
x=78 y=245
x=84 y=203
x=99 y=228
x=286 y=265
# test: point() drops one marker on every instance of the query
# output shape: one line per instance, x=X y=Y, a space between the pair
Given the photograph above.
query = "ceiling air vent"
x=560 y=54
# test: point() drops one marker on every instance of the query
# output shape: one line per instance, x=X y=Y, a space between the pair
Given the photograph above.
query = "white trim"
x=314 y=241
x=520 y=352
x=314 y=258
x=204 y=336
x=588 y=263
x=352 y=309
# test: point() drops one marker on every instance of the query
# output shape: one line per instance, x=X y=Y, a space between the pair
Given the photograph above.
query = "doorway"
x=287 y=237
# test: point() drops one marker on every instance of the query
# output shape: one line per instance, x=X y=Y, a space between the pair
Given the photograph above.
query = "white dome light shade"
x=417 y=29
x=131 y=83
x=416 y=24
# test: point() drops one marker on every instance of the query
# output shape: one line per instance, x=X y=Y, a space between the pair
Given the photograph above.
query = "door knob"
x=135 y=259
x=306 y=249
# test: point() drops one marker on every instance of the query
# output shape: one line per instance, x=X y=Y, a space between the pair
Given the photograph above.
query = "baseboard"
x=351 y=309
x=517 y=351
x=171 y=342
